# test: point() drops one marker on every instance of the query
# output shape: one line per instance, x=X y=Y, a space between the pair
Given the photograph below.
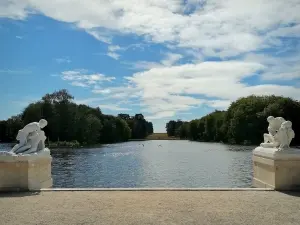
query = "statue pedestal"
x=276 y=169
x=25 y=172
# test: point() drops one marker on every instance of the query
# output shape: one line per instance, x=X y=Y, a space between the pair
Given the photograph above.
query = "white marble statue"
x=280 y=133
x=31 y=138
x=274 y=125
x=285 y=135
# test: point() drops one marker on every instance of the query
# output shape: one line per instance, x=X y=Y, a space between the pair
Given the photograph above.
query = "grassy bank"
x=157 y=136
x=63 y=144
x=161 y=136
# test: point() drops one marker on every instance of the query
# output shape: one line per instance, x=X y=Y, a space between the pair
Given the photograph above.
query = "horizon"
x=166 y=59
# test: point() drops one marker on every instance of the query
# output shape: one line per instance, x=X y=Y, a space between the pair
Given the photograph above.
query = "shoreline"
x=54 y=146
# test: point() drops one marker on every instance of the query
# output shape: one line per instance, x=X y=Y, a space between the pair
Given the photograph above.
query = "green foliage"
x=63 y=144
x=173 y=127
x=243 y=123
x=140 y=128
x=70 y=123
x=10 y=127
x=183 y=131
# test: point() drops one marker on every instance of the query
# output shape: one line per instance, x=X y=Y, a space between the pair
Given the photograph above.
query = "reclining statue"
x=280 y=134
x=31 y=138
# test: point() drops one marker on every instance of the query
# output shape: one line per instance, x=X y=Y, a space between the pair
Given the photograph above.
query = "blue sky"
x=167 y=59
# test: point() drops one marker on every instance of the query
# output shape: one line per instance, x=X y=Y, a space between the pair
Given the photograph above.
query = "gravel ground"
x=150 y=207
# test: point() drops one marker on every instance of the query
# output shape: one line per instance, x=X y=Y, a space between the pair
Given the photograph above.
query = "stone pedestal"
x=276 y=169
x=25 y=172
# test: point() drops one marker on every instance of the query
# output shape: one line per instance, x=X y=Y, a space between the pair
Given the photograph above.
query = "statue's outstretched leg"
x=22 y=149
x=28 y=151
x=15 y=148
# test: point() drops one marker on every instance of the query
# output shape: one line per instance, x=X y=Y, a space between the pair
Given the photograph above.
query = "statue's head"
x=286 y=124
x=270 y=118
x=43 y=123
x=21 y=135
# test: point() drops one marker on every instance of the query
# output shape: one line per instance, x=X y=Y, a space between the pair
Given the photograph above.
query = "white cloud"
x=19 y=37
x=113 y=55
x=81 y=79
x=196 y=29
x=219 y=104
x=63 y=60
x=106 y=103
x=210 y=78
x=220 y=80
x=184 y=113
x=178 y=89
x=224 y=28
x=169 y=59
x=88 y=101
x=283 y=75
x=99 y=36
x=290 y=31
x=9 y=71
x=122 y=92
x=144 y=65
x=79 y=84
x=113 y=107
x=279 y=68
x=13 y=9
x=159 y=115
x=113 y=48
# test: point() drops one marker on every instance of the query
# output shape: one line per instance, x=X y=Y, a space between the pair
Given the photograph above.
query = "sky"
x=166 y=59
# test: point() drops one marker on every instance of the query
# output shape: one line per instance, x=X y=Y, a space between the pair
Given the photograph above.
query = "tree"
x=170 y=126
x=92 y=129
x=125 y=117
x=149 y=128
x=32 y=112
x=183 y=131
x=122 y=130
x=244 y=122
x=68 y=121
x=13 y=125
x=108 y=134
x=58 y=96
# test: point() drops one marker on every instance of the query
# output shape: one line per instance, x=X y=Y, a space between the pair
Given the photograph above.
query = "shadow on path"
x=18 y=194
x=295 y=193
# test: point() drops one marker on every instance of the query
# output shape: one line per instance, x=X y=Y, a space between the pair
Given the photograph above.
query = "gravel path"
x=150 y=207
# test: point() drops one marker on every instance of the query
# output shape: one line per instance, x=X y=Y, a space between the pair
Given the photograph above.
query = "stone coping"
x=156 y=189
x=6 y=157
x=273 y=153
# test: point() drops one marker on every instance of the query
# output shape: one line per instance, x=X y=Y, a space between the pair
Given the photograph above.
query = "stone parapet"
x=275 y=169
x=25 y=172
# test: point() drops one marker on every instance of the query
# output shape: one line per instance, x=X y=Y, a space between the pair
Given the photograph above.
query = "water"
x=173 y=164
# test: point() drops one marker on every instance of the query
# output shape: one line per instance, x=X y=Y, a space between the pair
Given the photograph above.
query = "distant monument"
x=275 y=164
x=31 y=158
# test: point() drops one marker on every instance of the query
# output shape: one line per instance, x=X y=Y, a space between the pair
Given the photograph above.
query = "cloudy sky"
x=167 y=59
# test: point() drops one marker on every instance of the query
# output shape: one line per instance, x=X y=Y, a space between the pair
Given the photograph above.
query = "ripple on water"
x=153 y=164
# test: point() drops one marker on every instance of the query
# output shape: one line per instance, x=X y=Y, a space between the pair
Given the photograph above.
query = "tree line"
x=244 y=122
x=68 y=121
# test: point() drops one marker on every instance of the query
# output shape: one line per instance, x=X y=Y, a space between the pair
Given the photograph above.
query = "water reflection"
x=153 y=164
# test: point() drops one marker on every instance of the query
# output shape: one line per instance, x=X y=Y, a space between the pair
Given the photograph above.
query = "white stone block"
x=276 y=169
x=26 y=172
